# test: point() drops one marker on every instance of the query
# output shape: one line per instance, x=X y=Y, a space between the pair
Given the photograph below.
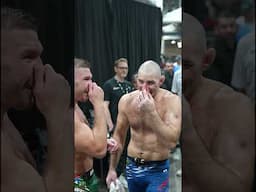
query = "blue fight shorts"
x=147 y=176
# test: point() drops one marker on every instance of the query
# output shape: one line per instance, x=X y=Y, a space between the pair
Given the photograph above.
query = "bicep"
x=173 y=115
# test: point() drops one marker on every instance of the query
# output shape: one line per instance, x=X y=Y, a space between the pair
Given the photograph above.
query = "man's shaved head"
x=196 y=57
x=193 y=33
x=149 y=77
x=150 y=68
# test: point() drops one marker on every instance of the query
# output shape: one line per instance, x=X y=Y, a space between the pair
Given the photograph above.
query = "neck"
x=201 y=94
x=119 y=78
x=191 y=95
x=75 y=100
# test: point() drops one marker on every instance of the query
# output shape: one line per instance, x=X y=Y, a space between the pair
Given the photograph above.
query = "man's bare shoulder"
x=225 y=96
x=127 y=98
x=17 y=166
x=229 y=105
x=166 y=97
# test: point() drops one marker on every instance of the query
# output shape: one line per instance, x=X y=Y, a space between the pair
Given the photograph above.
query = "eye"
x=140 y=81
x=29 y=56
x=150 y=82
x=187 y=64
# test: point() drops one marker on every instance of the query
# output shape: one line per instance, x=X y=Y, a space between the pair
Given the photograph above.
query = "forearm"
x=100 y=127
x=120 y=137
x=58 y=175
x=115 y=157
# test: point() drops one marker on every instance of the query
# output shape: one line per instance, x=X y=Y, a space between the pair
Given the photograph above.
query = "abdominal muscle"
x=145 y=144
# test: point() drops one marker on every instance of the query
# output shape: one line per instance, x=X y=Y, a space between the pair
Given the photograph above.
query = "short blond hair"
x=120 y=60
x=81 y=63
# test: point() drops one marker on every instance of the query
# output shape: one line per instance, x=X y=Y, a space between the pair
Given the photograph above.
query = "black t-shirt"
x=113 y=91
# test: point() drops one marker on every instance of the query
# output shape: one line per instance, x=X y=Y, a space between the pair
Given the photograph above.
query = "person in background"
x=114 y=89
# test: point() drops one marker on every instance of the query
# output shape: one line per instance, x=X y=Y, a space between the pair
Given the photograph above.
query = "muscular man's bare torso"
x=144 y=142
x=216 y=126
x=83 y=162
x=17 y=163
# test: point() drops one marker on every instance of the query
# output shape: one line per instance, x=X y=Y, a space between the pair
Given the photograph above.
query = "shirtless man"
x=25 y=82
x=89 y=142
x=154 y=115
x=218 y=133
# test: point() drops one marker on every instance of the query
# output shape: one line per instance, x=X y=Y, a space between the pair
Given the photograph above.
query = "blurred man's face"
x=83 y=77
x=121 y=69
x=169 y=67
x=191 y=66
x=20 y=53
x=149 y=82
x=226 y=27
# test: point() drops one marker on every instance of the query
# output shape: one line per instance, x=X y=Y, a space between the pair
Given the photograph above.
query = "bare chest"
x=135 y=116
x=205 y=124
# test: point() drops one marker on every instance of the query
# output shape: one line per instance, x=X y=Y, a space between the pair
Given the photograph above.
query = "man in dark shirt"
x=225 y=46
x=114 y=89
x=168 y=73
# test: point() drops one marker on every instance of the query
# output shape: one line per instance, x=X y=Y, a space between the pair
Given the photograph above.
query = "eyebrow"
x=150 y=81
x=34 y=46
x=32 y=51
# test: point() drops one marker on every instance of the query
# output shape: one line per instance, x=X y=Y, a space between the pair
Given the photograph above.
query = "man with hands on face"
x=154 y=116
x=26 y=82
x=89 y=143
x=218 y=123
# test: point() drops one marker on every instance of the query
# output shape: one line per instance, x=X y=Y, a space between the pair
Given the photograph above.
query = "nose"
x=145 y=86
x=38 y=62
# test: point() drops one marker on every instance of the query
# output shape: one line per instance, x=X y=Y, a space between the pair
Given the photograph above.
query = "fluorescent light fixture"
x=173 y=42
x=179 y=44
x=173 y=16
x=169 y=28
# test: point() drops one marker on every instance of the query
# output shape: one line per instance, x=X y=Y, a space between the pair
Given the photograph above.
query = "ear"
x=162 y=79
x=208 y=58
x=115 y=69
